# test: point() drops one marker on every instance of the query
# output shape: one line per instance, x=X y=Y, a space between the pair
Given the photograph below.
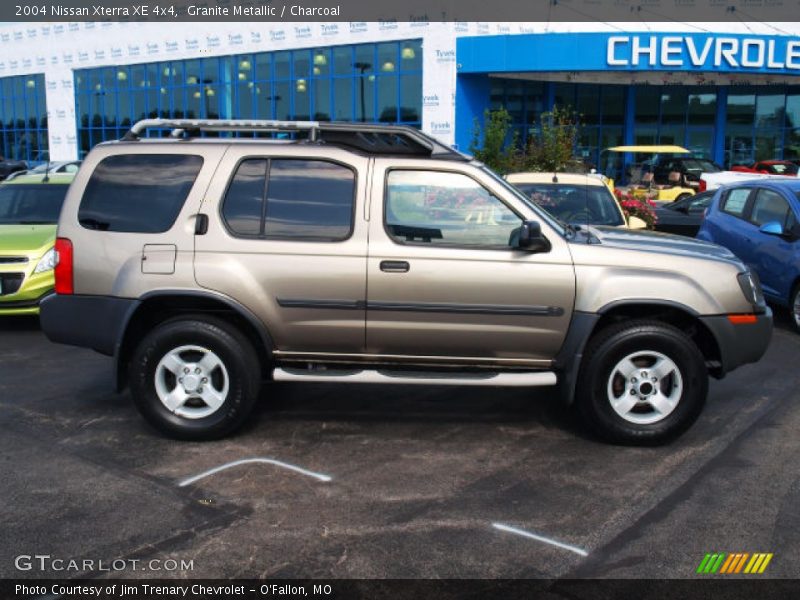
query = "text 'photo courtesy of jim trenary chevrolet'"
x=422 y=305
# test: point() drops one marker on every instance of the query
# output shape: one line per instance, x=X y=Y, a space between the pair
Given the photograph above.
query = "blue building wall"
x=721 y=60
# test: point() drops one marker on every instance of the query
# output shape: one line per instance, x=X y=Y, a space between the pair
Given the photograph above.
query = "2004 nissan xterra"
x=367 y=253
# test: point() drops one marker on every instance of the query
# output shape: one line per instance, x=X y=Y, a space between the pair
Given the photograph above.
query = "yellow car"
x=29 y=209
x=575 y=199
x=643 y=187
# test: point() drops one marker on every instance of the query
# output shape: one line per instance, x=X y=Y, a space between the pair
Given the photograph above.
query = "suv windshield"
x=575 y=204
x=22 y=204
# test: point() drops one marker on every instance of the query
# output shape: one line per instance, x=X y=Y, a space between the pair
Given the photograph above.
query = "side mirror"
x=531 y=238
x=772 y=228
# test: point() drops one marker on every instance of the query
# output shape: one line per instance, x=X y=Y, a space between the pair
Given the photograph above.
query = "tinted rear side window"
x=140 y=193
x=300 y=199
x=310 y=199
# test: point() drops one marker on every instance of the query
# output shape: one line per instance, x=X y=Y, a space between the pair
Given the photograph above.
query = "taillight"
x=703 y=186
x=64 y=271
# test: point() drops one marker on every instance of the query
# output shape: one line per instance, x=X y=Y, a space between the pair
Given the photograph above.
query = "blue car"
x=758 y=221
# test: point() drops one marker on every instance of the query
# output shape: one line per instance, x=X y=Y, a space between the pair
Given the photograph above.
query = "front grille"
x=13 y=260
x=11 y=282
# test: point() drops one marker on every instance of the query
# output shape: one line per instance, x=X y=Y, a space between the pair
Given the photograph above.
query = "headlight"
x=48 y=262
x=751 y=287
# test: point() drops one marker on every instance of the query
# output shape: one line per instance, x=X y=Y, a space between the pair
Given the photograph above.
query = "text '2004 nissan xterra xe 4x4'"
x=367 y=253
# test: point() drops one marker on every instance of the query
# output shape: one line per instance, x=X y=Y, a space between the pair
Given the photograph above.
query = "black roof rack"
x=364 y=137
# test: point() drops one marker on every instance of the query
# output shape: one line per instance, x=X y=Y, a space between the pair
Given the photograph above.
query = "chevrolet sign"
x=686 y=52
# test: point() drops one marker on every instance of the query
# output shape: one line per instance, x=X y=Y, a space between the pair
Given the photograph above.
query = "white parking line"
x=540 y=538
x=247 y=461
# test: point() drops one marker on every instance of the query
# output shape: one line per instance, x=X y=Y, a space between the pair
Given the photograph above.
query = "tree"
x=492 y=145
x=550 y=146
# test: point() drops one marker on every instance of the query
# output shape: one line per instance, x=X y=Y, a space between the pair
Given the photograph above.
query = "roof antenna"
x=47 y=170
x=555 y=178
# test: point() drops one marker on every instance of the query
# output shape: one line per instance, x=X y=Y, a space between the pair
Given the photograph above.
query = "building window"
x=364 y=83
x=762 y=124
x=600 y=108
x=23 y=118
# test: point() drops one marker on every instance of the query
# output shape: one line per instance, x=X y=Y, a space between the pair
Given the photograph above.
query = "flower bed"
x=633 y=207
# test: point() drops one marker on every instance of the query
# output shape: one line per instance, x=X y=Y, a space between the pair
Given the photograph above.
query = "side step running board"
x=539 y=378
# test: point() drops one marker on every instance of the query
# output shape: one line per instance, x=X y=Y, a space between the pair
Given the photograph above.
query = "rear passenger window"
x=299 y=199
x=140 y=193
x=736 y=201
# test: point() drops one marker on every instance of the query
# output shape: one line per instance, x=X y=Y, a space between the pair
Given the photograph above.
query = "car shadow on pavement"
x=413 y=404
x=782 y=319
x=21 y=323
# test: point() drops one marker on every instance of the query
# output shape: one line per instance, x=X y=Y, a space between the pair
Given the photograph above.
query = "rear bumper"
x=95 y=322
x=740 y=344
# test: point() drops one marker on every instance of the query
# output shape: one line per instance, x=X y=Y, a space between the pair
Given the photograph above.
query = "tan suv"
x=328 y=252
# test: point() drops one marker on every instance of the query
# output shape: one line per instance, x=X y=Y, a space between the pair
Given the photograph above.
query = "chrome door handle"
x=395 y=266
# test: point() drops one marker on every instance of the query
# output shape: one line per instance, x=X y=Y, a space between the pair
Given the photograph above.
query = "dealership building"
x=730 y=91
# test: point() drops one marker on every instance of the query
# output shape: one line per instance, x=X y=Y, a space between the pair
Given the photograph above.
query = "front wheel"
x=641 y=382
x=794 y=308
x=195 y=378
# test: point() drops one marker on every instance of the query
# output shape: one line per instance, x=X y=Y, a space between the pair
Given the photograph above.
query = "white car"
x=712 y=181
x=575 y=199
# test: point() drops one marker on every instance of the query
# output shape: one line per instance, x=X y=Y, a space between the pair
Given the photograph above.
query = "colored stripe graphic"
x=703 y=563
x=765 y=563
x=735 y=562
x=735 y=557
x=718 y=562
x=727 y=564
x=754 y=563
x=740 y=565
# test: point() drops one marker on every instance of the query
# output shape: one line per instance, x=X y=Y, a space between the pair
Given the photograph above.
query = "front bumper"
x=25 y=300
x=742 y=343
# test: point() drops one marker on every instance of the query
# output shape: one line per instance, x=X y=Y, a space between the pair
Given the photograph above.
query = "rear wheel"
x=195 y=378
x=682 y=197
x=642 y=382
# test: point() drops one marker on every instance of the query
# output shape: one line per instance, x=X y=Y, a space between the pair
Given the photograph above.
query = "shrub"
x=633 y=207
x=550 y=148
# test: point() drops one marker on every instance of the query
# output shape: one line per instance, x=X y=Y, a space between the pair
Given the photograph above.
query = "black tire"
x=682 y=197
x=794 y=316
x=240 y=368
x=606 y=351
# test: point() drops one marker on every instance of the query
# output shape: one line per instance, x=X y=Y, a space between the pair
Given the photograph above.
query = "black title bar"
x=604 y=11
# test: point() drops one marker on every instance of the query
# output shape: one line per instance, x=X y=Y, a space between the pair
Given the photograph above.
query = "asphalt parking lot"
x=401 y=482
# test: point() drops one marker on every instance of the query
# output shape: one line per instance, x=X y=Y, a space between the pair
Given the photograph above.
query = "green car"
x=29 y=209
